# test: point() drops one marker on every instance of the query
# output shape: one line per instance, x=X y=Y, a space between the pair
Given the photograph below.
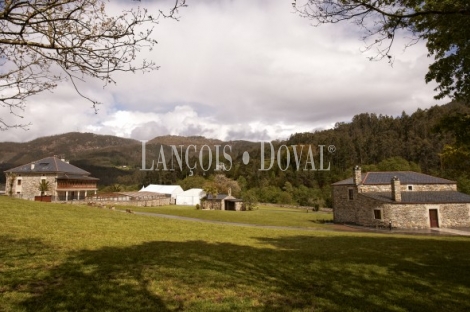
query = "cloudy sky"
x=239 y=69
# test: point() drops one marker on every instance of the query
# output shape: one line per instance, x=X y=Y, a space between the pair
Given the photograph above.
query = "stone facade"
x=27 y=186
x=370 y=204
x=404 y=188
x=222 y=202
x=66 y=182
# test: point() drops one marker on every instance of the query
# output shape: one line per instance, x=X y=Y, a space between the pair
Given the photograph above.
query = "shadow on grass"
x=322 y=221
x=305 y=273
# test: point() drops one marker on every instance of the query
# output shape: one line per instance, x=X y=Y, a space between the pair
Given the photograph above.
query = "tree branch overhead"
x=45 y=42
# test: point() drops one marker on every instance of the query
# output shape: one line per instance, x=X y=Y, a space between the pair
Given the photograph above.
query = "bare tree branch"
x=45 y=42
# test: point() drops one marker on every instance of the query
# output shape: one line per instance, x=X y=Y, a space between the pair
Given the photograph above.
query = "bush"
x=198 y=207
x=316 y=207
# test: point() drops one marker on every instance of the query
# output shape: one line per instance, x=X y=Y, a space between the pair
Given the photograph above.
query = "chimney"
x=396 y=189
x=357 y=178
x=229 y=191
x=32 y=166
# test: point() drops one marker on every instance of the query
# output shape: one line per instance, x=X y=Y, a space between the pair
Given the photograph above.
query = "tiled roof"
x=48 y=165
x=435 y=197
x=405 y=177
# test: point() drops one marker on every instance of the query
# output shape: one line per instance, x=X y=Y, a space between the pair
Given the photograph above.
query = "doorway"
x=433 y=218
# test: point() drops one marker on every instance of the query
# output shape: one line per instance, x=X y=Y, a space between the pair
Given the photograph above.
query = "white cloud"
x=241 y=70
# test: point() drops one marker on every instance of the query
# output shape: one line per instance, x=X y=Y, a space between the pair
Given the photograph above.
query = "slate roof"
x=405 y=177
x=412 y=197
x=218 y=197
x=66 y=176
x=49 y=165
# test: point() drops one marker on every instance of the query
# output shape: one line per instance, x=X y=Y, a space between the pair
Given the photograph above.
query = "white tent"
x=172 y=190
x=191 y=197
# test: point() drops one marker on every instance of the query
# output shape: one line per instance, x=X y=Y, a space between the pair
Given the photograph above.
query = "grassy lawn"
x=265 y=215
x=56 y=257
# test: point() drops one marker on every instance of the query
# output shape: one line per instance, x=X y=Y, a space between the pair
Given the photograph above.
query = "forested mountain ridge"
x=420 y=141
x=371 y=138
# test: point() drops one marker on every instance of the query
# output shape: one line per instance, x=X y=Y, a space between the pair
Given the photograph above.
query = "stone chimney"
x=396 y=189
x=229 y=191
x=357 y=178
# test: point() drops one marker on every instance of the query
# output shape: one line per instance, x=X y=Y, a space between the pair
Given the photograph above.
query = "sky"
x=238 y=70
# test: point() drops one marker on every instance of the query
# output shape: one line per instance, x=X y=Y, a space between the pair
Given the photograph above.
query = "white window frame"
x=381 y=213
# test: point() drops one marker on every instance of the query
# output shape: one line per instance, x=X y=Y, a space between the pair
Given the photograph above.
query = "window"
x=351 y=194
x=18 y=182
x=378 y=214
x=410 y=187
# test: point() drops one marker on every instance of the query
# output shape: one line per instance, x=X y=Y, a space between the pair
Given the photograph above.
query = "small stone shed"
x=408 y=200
x=222 y=202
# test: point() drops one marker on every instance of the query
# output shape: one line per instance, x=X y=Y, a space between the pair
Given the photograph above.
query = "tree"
x=192 y=182
x=442 y=24
x=11 y=182
x=226 y=185
x=43 y=187
x=44 y=42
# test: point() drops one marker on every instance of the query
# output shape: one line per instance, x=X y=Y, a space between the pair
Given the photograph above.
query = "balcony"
x=75 y=186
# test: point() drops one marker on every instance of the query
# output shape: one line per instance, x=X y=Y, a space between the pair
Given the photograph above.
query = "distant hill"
x=367 y=140
x=182 y=140
x=107 y=157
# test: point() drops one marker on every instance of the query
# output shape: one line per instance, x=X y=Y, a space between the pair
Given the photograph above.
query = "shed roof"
x=48 y=165
x=218 y=197
x=163 y=189
x=434 y=197
x=405 y=177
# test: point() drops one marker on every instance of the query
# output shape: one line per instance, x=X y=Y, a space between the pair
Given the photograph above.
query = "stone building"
x=66 y=182
x=222 y=202
x=406 y=199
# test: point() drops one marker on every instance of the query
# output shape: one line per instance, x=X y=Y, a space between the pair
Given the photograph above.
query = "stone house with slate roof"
x=67 y=182
x=407 y=199
x=222 y=202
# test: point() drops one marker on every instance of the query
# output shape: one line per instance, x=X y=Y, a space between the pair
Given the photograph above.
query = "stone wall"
x=360 y=211
x=404 y=187
x=164 y=201
x=212 y=204
x=454 y=215
x=343 y=207
x=30 y=186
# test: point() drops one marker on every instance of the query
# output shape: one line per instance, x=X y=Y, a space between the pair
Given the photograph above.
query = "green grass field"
x=264 y=215
x=57 y=257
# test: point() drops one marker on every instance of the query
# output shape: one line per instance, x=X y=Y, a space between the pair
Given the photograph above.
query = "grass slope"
x=57 y=257
x=265 y=215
